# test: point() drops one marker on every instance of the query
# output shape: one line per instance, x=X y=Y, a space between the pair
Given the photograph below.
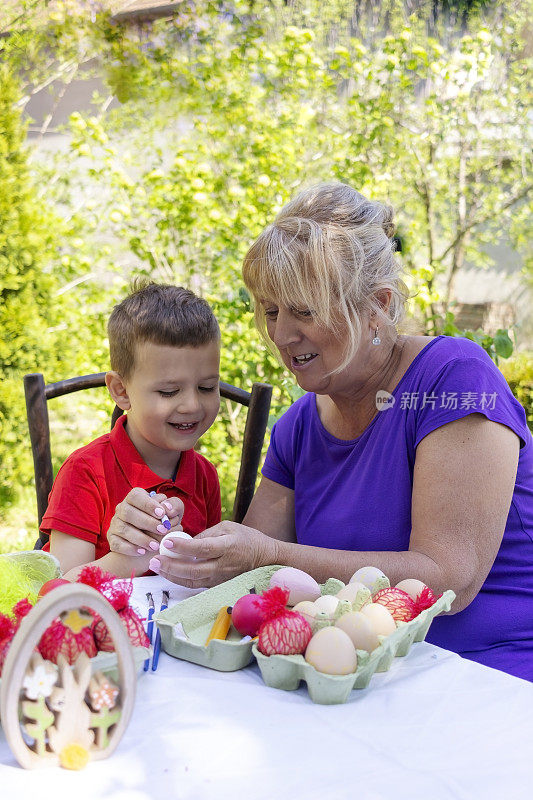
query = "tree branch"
x=482 y=220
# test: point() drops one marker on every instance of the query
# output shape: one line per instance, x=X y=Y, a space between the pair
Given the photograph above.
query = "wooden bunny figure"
x=71 y=733
x=60 y=714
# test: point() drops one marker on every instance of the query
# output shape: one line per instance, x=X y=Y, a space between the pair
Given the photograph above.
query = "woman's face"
x=308 y=349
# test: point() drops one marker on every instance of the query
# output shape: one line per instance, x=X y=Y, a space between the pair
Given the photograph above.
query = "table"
x=435 y=726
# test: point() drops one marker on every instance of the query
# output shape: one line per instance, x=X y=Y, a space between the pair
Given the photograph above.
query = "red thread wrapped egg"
x=286 y=635
x=402 y=607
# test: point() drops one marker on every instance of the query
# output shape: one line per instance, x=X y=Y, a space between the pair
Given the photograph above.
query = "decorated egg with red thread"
x=399 y=603
x=285 y=635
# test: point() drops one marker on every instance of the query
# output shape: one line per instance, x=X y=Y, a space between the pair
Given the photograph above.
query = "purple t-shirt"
x=356 y=495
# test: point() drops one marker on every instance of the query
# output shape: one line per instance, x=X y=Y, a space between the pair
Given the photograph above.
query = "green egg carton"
x=286 y=672
x=197 y=614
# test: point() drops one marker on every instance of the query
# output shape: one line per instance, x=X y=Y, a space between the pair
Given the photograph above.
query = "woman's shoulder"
x=435 y=352
x=297 y=414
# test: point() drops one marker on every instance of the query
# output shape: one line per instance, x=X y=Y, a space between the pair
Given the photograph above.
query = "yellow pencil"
x=221 y=625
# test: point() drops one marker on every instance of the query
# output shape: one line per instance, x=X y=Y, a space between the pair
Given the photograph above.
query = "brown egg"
x=360 y=630
x=331 y=651
x=380 y=618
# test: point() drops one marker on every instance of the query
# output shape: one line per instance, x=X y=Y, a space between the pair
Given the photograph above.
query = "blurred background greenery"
x=203 y=119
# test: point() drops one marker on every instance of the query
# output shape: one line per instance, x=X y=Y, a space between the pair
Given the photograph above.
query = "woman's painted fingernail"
x=141 y=551
x=155 y=564
x=167 y=505
x=169 y=543
x=159 y=511
x=154 y=546
x=161 y=529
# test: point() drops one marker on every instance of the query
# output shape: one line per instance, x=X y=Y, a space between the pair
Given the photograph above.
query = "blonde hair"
x=329 y=250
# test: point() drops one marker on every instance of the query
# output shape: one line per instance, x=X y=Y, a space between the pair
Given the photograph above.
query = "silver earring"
x=376 y=339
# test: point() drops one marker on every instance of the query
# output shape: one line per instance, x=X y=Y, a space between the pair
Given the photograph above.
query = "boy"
x=164 y=347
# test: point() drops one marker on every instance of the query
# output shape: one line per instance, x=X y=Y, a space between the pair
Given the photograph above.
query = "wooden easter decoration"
x=61 y=714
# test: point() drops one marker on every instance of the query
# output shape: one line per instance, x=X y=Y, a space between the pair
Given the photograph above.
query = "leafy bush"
x=518 y=372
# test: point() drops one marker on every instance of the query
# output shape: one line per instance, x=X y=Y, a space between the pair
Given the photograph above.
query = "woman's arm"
x=463 y=484
x=272 y=511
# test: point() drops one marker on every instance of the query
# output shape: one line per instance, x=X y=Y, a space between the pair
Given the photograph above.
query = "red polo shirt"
x=97 y=477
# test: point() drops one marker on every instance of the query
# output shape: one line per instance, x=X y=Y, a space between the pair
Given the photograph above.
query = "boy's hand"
x=136 y=527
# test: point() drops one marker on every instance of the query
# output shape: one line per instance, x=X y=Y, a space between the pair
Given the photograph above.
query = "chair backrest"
x=38 y=393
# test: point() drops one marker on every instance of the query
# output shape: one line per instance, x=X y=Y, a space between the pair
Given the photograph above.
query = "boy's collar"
x=136 y=471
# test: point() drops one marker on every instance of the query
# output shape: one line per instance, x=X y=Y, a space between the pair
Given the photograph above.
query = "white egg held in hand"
x=169 y=551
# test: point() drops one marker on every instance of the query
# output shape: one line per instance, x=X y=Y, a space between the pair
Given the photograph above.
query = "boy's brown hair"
x=162 y=314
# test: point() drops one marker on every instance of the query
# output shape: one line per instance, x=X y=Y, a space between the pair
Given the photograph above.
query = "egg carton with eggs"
x=185 y=626
x=286 y=672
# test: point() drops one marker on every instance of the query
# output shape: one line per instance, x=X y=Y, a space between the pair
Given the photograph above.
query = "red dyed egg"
x=402 y=607
x=248 y=614
x=49 y=585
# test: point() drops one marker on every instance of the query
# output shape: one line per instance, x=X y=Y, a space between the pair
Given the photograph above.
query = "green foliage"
x=518 y=372
x=35 y=310
x=25 y=286
x=498 y=346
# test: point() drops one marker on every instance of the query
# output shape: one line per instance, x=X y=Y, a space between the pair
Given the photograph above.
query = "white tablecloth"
x=435 y=727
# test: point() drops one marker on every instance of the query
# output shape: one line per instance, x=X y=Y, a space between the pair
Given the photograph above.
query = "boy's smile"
x=172 y=398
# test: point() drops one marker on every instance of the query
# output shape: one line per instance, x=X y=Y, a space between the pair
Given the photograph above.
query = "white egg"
x=299 y=584
x=327 y=603
x=351 y=591
x=360 y=630
x=412 y=586
x=331 y=651
x=380 y=618
x=169 y=551
x=372 y=577
x=307 y=609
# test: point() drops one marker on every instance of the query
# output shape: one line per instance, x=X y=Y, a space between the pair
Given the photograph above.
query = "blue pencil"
x=150 y=627
x=157 y=643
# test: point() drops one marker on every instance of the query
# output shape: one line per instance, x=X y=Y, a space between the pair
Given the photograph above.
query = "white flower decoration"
x=40 y=682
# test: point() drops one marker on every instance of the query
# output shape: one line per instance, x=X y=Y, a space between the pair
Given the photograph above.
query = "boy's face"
x=173 y=397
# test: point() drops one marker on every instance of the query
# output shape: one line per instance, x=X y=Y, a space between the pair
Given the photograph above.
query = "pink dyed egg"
x=298 y=583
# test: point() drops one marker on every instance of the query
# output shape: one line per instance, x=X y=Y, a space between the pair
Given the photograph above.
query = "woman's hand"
x=216 y=555
x=136 y=527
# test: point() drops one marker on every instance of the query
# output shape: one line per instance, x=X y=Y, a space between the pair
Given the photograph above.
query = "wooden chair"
x=38 y=393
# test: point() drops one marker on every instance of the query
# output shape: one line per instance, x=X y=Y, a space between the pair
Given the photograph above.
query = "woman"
x=408 y=453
